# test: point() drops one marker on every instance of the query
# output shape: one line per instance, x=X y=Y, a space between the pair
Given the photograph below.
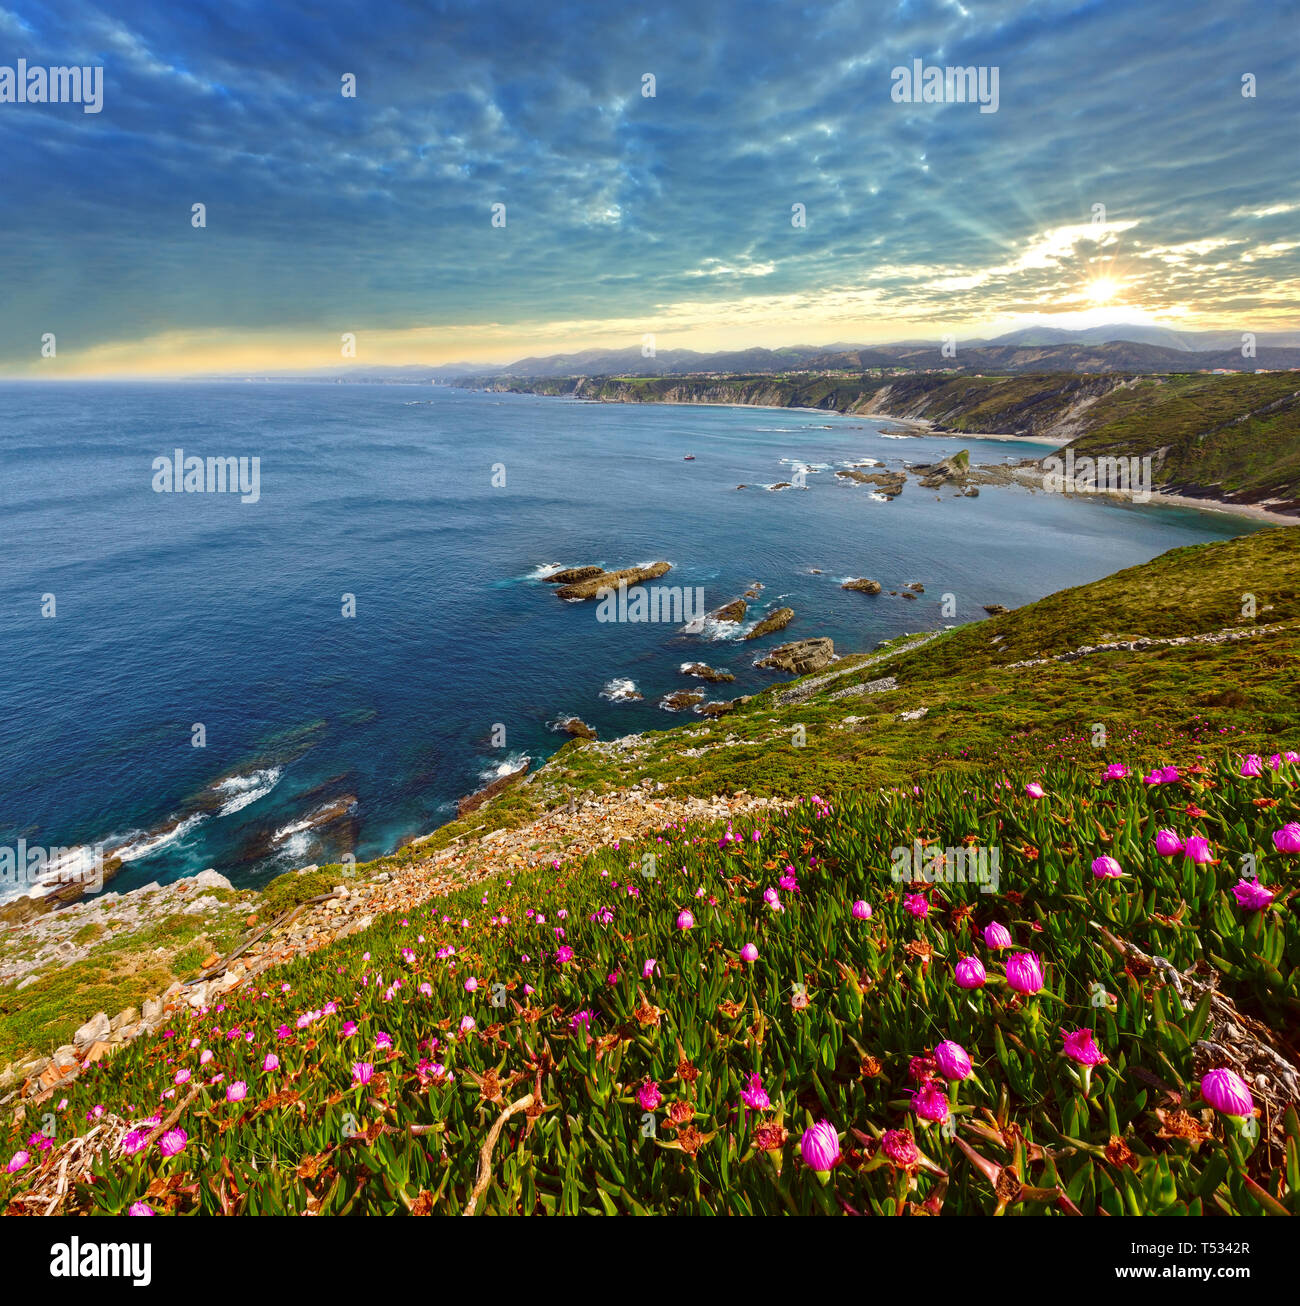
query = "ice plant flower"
x=900 y=1147
x=930 y=1102
x=997 y=935
x=754 y=1095
x=1106 y=868
x=749 y=952
x=362 y=1073
x=133 y=1142
x=237 y=1091
x=861 y=910
x=140 y=1208
x=1252 y=765
x=952 y=1060
x=172 y=1143
x=684 y=919
x=581 y=1019
x=649 y=968
x=649 y=1096
x=1116 y=771
x=1168 y=844
x=1287 y=839
x=1024 y=972
x=1252 y=895
x=1226 y=1091
x=564 y=954
x=1197 y=849
x=16 y=1162
x=1080 y=1048
x=916 y=904
x=272 y=1062
x=820 y=1147
x=1034 y=789
x=969 y=973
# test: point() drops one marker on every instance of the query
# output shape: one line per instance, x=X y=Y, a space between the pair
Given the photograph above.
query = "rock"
x=198 y=995
x=915 y=586
x=210 y=960
x=906 y=594
x=96 y=1028
x=862 y=585
x=629 y=576
x=211 y=879
x=703 y=672
x=577 y=728
x=472 y=802
x=68 y=1057
x=152 y=1011
x=801 y=657
x=681 y=699
x=890 y=484
x=572 y=575
x=777 y=620
x=733 y=611
x=780 y=485
x=124 y=1018
x=97 y=1052
x=200 y=905
x=996 y=609
x=718 y=708
x=954 y=468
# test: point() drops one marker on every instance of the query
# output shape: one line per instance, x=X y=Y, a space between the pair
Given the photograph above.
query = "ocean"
x=137 y=623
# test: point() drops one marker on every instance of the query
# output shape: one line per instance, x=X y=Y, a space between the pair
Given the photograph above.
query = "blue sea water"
x=327 y=734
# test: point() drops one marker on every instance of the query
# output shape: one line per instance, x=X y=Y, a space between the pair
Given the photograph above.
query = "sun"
x=1102 y=291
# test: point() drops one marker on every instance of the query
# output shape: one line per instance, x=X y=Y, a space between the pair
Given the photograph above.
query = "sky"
x=628 y=214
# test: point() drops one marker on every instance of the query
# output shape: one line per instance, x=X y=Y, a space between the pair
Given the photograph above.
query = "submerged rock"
x=733 y=611
x=701 y=671
x=862 y=585
x=572 y=575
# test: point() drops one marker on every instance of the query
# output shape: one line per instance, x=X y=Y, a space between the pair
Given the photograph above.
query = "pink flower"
x=564 y=954
x=753 y=1094
x=1252 y=765
x=362 y=1073
x=969 y=973
x=172 y=1143
x=930 y=1102
x=1168 y=844
x=237 y=1091
x=749 y=952
x=899 y=1146
x=952 y=1060
x=1197 y=849
x=1116 y=771
x=861 y=911
x=1024 y=972
x=204 y=1057
x=1080 y=1047
x=997 y=935
x=1287 y=839
x=820 y=1147
x=133 y=1142
x=684 y=919
x=1226 y=1091
x=649 y=967
x=16 y=1162
x=466 y=1024
x=1106 y=868
x=1252 y=895
x=916 y=904
x=349 y=1029
x=140 y=1208
x=1034 y=789
x=649 y=1096
x=182 y=1076
x=772 y=898
x=471 y=984
x=581 y=1019
x=272 y=1062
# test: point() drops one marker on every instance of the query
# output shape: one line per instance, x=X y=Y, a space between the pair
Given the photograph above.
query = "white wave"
x=545 y=569
x=246 y=789
x=142 y=843
x=621 y=690
x=512 y=763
